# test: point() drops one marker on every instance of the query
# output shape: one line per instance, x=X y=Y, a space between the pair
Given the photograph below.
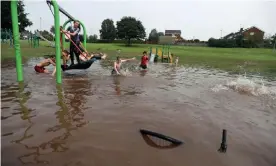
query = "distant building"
x=253 y=33
x=166 y=40
x=173 y=33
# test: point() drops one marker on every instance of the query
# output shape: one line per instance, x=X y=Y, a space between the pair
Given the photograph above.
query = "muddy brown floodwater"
x=93 y=119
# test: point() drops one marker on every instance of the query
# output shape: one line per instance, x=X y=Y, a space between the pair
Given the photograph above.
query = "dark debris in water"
x=7 y=134
x=4 y=117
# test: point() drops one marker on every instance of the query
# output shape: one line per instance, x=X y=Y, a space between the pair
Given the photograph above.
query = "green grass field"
x=261 y=61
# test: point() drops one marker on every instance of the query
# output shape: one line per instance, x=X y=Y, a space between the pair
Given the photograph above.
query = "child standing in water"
x=144 y=60
x=117 y=65
x=176 y=61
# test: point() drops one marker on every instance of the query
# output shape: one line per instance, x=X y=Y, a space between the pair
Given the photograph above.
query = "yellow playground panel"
x=164 y=56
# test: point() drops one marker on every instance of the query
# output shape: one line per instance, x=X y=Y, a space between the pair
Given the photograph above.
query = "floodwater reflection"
x=68 y=121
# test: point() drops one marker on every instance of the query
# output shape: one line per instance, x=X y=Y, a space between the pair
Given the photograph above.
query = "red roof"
x=251 y=28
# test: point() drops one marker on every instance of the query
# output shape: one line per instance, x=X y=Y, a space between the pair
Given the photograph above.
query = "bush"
x=120 y=41
x=223 y=43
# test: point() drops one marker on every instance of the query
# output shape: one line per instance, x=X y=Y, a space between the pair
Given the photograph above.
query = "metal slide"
x=43 y=38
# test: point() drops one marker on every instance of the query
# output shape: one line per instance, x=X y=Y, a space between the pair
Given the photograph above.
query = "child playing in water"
x=176 y=61
x=40 y=67
x=117 y=65
x=65 y=57
x=85 y=56
x=87 y=60
x=144 y=60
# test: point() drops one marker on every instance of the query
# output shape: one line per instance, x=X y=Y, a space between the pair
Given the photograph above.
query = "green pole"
x=15 y=28
x=34 y=41
x=163 y=53
x=168 y=53
x=6 y=35
x=11 y=40
x=84 y=33
x=57 y=42
x=31 y=39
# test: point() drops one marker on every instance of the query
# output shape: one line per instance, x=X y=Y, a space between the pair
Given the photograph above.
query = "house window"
x=251 y=33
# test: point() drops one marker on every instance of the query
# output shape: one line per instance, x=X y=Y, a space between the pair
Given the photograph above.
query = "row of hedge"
x=232 y=43
x=116 y=41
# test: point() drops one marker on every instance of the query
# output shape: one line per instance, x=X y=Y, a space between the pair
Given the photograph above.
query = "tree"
x=153 y=36
x=273 y=39
x=92 y=38
x=6 y=16
x=129 y=28
x=52 y=30
x=161 y=34
x=108 y=30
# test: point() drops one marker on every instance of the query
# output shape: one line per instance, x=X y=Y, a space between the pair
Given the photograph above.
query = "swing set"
x=59 y=38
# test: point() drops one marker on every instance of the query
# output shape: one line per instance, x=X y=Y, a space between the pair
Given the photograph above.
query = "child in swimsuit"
x=40 y=67
x=117 y=65
x=85 y=56
x=144 y=60
x=87 y=59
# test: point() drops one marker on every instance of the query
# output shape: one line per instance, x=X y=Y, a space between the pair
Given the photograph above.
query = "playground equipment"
x=52 y=44
x=6 y=36
x=57 y=9
x=164 y=54
x=33 y=40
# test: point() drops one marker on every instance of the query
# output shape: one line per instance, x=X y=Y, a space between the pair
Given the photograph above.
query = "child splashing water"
x=144 y=60
x=40 y=67
x=117 y=65
x=88 y=57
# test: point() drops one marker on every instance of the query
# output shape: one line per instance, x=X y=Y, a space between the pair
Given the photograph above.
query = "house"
x=253 y=33
x=173 y=33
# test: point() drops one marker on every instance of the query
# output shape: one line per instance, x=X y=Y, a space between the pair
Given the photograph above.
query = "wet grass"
x=230 y=59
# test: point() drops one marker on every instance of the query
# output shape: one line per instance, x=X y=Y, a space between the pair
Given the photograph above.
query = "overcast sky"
x=196 y=19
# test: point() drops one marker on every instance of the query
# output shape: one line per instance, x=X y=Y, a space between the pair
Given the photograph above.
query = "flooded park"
x=94 y=118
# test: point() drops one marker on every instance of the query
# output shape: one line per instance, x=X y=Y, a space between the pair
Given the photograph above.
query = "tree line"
x=239 y=42
x=128 y=30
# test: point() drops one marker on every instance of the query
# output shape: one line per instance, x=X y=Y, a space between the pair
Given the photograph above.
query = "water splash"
x=126 y=72
x=249 y=86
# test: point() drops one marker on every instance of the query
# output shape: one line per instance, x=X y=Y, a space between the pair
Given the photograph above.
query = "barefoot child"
x=117 y=65
x=65 y=58
x=86 y=60
x=144 y=60
x=85 y=56
x=176 y=61
x=40 y=67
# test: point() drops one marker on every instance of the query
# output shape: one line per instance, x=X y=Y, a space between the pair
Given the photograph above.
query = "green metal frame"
x=84 y=33
x=19 y=70
x=164 y=47
x=15 y=29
